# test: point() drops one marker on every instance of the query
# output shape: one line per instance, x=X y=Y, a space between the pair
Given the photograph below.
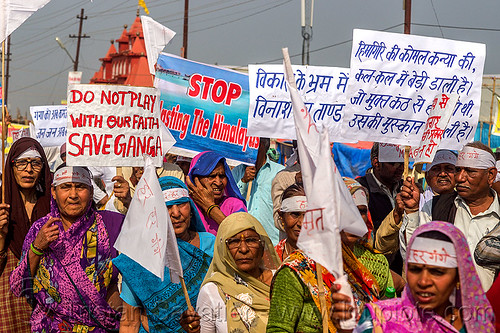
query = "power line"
x=455 y=27
x=41 y=81
x=326 y=47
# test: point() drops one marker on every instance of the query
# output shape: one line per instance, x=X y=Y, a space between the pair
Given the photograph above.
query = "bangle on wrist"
x=209 y=210
x=35 y=250
x=409 y=211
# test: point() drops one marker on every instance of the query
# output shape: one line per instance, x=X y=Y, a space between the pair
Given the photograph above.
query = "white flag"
x=14 y=12
x=156 y=37
x=330 y=205
x=147 y=235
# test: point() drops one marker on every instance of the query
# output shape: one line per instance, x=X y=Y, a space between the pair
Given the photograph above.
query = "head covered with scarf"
x=175 y=192
x=476 y=311
x=76 y=269
x=204 y=163
x=233 y=283
x=19 y=223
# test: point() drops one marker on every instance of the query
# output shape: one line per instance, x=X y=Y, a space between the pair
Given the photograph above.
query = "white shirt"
x=473 y=227
x=211 y=309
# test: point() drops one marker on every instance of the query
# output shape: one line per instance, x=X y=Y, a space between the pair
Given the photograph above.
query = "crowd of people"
x=428 y=263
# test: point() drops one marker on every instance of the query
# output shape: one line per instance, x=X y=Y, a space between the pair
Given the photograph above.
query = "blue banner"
x=205 y=108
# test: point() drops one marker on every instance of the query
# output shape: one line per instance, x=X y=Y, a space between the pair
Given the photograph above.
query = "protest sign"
x=321 y=88
x=205 y=108
x=394 y=79
x=15 y=12
x=442 y=108
x=50 y=124
x=147 y=235
x=112 y=125
x=156 y=37
x=388 y=152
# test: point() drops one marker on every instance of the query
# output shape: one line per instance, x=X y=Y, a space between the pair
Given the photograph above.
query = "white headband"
x=294 y=204
x=359 y=197
x=72 y=175
x=475 y=158
x=29 y=153
x=443 y=156
x=175 y=193
x=433 y=252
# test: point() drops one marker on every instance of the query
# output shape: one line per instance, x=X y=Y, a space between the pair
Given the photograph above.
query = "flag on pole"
x=156 y=37
x=330 y=205
x=142 y=3
x=147 y=235
x=14 y=12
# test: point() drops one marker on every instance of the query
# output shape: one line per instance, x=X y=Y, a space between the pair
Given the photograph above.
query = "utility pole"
x=81 y=18
x=306 y=28
x=7 y=75
x=184 y=50
x=407 y=9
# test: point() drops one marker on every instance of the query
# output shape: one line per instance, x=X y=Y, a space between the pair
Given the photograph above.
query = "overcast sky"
x=229 y=32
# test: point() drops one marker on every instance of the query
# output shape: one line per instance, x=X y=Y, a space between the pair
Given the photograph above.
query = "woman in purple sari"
x=443 y=293
x=65 y=269
x=213 y=189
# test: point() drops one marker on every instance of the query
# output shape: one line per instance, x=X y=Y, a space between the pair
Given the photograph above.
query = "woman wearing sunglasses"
x=235 y=293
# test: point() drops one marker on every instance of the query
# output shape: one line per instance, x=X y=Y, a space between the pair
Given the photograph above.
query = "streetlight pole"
x=61 y=44
x=306 y=29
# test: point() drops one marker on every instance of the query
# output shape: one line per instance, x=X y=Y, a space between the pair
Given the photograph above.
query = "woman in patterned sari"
x=65 y=268
x=163 y=301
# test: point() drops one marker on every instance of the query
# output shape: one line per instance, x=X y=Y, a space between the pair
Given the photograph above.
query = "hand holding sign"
x=410 y=195
x=249 y=174
x=122 y=190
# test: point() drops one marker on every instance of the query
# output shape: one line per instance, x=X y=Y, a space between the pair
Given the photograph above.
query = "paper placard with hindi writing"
x=113 y=125
x=442 y=108
x=321 y=88
x=394 y=79
x=50 y=124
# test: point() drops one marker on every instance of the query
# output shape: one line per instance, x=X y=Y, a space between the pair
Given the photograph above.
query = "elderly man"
x=440 y=178
x=474 y=207
x=66 y=268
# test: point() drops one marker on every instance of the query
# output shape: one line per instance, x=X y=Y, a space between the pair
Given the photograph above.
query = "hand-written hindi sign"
x=321 y=88
x=113 y=125
x=50 y=124
x=393 y=81
x=442 y=108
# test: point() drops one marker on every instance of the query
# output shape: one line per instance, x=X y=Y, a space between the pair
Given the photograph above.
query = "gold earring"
x=458 y=285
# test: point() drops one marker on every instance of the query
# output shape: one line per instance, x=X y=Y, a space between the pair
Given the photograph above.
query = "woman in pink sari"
x=443 y=293
x=213 y=189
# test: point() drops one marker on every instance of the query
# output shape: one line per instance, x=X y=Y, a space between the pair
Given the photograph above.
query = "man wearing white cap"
x=440 y=175
x=440 y=178
x=474 y=207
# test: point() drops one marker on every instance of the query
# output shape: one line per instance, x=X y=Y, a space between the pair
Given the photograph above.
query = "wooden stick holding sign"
x=4 y=118
x=322 y=299
x=186 y=295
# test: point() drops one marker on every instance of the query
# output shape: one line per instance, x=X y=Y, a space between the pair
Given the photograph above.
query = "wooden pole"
x=249 y=190
x=3 y=122
x=406 y=161
x=322 y=300
x=491 y=111
x=186 y=295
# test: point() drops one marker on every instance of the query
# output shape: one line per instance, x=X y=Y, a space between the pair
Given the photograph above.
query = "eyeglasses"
x=253 y=242
x=21 y=165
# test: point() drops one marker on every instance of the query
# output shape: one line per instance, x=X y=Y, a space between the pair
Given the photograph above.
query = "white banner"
x=156 y=37
x=321 y=88
x=14 y=12
x=330 y=205
x=394 y=79
x=442 y=108
x=147 y=235
x=113 y=125
x=50 y=124
x=74 y=78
